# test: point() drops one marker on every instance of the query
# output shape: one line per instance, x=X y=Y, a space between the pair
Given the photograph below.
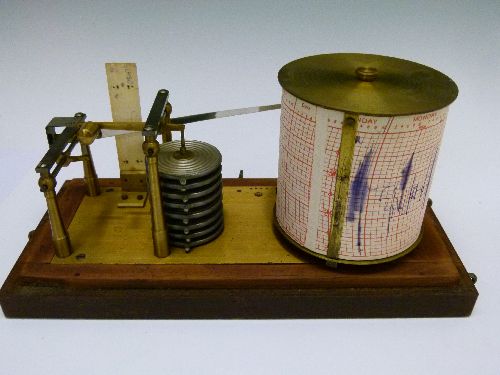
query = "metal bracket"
x=156 y=117
x=60 y=145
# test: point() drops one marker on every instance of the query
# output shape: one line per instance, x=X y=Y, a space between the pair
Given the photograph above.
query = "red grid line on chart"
x=298 y=120
x=329 y=175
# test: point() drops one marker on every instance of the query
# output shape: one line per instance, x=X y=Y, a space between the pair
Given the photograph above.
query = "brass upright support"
x=344 y=165
x=59 y=235
x=89 y=173
x=151 y=148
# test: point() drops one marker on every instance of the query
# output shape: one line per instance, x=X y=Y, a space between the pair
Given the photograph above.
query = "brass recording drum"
x=359 y=139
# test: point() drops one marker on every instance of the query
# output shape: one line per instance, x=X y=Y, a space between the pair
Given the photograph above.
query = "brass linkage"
x=76 y=130
x=89 y=173
x=151 y=148
x=57 y=157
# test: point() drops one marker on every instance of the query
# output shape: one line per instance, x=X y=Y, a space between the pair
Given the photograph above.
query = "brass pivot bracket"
x=155 y=125
x=166 y=131
x=133 y=195
x=183 y=153
x=58 y=156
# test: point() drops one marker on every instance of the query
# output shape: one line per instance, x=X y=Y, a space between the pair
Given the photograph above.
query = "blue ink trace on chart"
x=405 y=175
x=359 y=192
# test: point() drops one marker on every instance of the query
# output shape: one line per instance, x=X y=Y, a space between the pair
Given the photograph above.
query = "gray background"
x=220 y=55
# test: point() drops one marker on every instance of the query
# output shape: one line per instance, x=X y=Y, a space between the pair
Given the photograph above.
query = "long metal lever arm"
x=221 y=114
x=110 y=129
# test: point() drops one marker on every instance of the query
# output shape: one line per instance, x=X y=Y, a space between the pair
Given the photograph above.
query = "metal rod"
x=136 y=126
x=111 y=129
x=151 y=148
x=344 y=165
x=166 y=134
x=61 y=160
x=60 y=237
x=183 y=142
x=221 y=114
x=89 y=173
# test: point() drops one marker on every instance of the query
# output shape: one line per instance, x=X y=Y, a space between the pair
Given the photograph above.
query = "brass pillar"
x=151 y=148
x=344 y=165
x=89 y=173
x=59 y=235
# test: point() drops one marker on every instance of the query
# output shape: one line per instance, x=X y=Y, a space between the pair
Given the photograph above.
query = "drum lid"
x=368 y=84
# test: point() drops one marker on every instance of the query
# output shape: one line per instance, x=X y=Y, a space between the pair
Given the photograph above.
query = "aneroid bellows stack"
x=191 y=188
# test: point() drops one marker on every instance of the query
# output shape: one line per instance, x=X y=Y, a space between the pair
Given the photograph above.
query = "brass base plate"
x=102 y=233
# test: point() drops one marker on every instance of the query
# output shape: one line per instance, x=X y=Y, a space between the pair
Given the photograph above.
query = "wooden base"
x=249 y=272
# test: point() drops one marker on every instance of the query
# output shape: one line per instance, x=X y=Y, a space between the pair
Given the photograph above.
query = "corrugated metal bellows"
x=191 y=188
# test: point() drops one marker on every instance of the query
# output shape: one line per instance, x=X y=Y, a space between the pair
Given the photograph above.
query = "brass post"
x=89 y=173
x=59 y=235
x=151 y=148
x=344 y=165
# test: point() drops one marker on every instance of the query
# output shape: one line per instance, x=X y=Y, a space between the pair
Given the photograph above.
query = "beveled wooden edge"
x=67 y=302
x=34 y=298
x=211 y=276
x=465 y=282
